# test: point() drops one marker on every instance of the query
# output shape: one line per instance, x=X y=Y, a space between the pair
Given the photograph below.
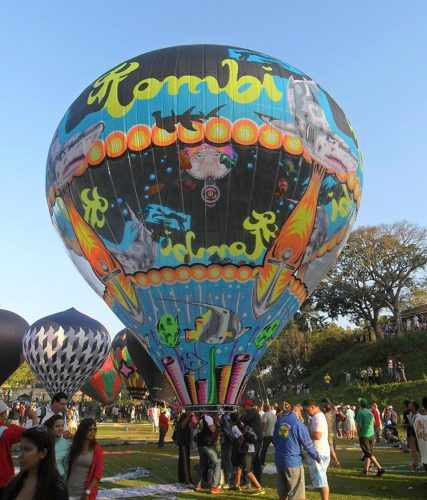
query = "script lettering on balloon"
x=94 y=207
x=262 y=227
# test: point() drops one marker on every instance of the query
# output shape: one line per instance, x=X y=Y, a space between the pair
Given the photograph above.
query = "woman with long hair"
x=39 y=478
x=55 y=425
x=86 y=462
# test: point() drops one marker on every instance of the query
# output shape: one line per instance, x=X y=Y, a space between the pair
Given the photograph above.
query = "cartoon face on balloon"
x=206 y=206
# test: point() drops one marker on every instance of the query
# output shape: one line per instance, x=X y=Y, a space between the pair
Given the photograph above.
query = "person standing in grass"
x=319 y=435
x=290 y=439
x=330 y=414
x=365 y=428
x=55 y=425
x=420 y=426
x=163 y=427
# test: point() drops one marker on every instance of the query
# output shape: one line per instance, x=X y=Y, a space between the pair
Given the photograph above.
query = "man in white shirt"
x=420 y=427
x=319 y=434
x=268 y=420
x=58 y=406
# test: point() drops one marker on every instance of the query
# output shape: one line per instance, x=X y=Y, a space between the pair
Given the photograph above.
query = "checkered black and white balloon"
x=65 y=349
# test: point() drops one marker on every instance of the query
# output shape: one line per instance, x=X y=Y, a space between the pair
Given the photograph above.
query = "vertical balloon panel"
x=203 y=192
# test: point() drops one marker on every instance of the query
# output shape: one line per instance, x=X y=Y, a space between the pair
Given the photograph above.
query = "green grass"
x=347 y=483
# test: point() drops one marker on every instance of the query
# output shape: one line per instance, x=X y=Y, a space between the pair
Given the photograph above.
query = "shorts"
x=291 y=483
x=367 y=446
x=243 y=461
x=319 y=478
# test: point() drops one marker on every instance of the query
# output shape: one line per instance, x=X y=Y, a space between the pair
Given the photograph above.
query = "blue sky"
x=369 y=55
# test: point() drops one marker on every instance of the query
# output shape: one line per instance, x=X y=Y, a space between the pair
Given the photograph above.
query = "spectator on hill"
x=327 y=379
x=401 y=373
x=365 y=429
x=390 y=368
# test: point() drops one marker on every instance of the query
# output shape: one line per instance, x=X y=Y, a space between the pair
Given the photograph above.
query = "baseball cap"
x=248 y=402
x=3 y=406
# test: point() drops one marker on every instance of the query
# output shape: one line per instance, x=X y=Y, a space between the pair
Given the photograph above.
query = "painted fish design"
x=216 y=326
x=168 y=123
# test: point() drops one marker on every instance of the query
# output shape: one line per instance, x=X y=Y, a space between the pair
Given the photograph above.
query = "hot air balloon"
x=105 y=384
x=203 y=192
x=12 y=329
x=65 y=349
x=126 y=367
x=156 y=382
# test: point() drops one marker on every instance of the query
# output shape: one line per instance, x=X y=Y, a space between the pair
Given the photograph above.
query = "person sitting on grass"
x=242 y=458
x=365 y=429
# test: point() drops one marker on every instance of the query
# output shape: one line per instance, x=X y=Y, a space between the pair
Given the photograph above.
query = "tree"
x=393 y=256
x=379 y=265
x=21 y=378
x=349 y=290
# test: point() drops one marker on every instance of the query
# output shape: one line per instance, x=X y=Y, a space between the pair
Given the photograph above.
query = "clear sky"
x=370 y=55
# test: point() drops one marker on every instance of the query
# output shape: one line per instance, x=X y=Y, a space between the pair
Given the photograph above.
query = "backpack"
x=206 y=437
x=249 y=435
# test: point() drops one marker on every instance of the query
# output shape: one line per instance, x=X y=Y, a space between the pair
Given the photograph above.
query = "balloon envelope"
x=105 y=384
x=127 y=369
x=65 y=349
x=157 y=383
x=12 y=330
x=203 y=191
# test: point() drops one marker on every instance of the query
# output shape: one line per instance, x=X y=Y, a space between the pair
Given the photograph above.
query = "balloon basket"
x=212 y=408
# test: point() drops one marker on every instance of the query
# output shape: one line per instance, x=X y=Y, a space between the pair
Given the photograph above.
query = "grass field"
x=347 y=482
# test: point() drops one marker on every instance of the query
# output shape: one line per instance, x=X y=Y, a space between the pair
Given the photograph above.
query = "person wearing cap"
x=365 y=428
x=290 y=439
x=330 y=414
x=9 y=435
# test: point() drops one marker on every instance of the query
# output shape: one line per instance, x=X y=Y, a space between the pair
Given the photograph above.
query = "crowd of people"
x=232 y=447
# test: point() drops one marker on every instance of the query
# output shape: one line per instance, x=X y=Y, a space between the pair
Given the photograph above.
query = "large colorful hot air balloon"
x=155 y=381
x=126 y=367
x=203 y=191
x=65 y=349
x=12 y=330
x=105 y=384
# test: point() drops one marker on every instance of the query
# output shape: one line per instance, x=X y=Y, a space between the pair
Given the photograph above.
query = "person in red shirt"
x=163 y=427
x=9 y=435
x=377 y=421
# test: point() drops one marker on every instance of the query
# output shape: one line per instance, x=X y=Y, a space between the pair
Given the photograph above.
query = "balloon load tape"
x=212 y=408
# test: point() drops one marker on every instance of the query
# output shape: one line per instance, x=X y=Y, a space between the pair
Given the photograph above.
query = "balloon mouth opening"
x=212 y=408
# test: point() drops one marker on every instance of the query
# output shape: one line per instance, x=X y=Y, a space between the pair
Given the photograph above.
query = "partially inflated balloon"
x=65 y=349
x=157 y=383
x=126 y=367
x=204 y=191
x=105 y=384
x=12 y=330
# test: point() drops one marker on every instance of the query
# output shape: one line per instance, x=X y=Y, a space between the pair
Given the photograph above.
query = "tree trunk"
x=397 y=320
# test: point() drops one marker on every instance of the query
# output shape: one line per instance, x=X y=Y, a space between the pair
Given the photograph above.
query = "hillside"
x=336 y=358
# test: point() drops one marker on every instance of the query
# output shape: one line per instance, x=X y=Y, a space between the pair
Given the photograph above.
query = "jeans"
x=265 y=444
x=257 y=466
x=162 y=434
x=227 y=466
x=209 y=460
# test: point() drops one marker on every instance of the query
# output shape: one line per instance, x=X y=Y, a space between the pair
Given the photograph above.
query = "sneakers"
x=260 y=491
x=380 y=472
x=215 y=490
x=236 y=488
